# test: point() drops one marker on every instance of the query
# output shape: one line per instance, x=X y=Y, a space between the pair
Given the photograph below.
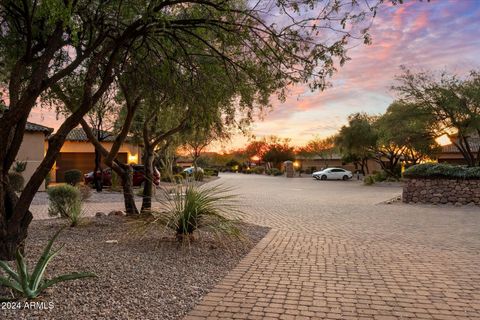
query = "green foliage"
x=65 y=201
x=178 y=178
x=211 y=172
x=357 y=140
x=450 y=100
x=381 y=176
x=48 y=179
x=198 y=175
x=16 y=181
x=31 y=285
x=191 y=208
x=233 y=165
x=247 y=171
x=318 y=147
x=177 y=169
x=278 y=151
x=85 y=191
x=411 y=129
x=20 y=166
x=369 y=180
x=73 y=177
x=259 y=170
x=116 y=185
x=441 y=170
x=274 y=172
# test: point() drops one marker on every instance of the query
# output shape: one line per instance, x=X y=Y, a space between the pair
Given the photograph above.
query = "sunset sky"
x=442 y=34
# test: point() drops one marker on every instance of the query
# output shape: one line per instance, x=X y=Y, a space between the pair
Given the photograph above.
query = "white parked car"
x=190 y=170
x=333 y=174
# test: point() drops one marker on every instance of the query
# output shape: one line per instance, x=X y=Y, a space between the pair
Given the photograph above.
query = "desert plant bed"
x=151 y=276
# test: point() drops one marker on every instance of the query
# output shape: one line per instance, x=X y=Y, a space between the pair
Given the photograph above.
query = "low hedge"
x=442 y=170
x=73 y=177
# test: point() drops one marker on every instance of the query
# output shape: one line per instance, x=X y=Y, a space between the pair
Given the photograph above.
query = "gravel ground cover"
x=149 y=277
x=41 y=197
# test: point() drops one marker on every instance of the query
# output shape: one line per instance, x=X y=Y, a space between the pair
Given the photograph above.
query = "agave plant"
x=31 y=285
x=191 y=207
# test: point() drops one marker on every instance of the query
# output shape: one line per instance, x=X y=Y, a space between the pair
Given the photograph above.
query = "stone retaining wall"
x=444 y=191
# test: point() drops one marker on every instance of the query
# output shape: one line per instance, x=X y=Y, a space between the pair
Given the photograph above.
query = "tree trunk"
x=148 y=184
x=12 y=233
x=127 y=185
x=98 y=180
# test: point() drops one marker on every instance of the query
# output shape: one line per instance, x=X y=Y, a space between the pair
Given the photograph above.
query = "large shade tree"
x=318 y=147
x=410 y=129
x=356 y=140
x=452 y=101
x=44 y=42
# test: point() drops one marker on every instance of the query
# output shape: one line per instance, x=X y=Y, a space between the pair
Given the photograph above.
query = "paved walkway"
x=336 y=251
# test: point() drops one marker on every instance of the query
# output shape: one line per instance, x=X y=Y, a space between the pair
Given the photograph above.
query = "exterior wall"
x=134 y=151
x=452 y=158
x=444 y=191
x=85 y=146
x=32 y=150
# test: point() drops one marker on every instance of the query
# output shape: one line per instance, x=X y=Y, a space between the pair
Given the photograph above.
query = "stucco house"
x=450 y=153
x=78 y=153
x=32 y=150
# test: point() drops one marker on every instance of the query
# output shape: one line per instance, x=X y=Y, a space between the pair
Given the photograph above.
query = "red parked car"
x=138 y=177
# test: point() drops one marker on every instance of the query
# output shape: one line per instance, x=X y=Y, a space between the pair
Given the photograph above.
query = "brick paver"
x=336 y=252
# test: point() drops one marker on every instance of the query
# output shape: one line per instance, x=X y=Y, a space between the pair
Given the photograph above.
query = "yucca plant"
x=31 y=285
x=191 y=207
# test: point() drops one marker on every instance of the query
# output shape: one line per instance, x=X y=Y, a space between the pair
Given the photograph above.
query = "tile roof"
x=33 y=127
x=78 y=134
x=333 y=156
x=451 y=148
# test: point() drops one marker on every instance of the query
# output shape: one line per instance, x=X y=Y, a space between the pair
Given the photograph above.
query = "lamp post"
x=296 y=165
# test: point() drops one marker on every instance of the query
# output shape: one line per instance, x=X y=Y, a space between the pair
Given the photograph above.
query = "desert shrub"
x=379 y=176
x=190 y=208
x=48 y=179
x=369 y=180
x=198 y=175
x=16 y=181
x=65 y=201
x=73 y=176
x=20 y=166
x=166 y=178
x=259 y=170
x=116 y=185
x=211 y=172
x=31 y=285
x=85 y=191
x=442 y=170
x=178 y=178
x=176 y=169
x=275 y=172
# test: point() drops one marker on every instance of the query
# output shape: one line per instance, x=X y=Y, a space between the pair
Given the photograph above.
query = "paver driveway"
x=336 y=251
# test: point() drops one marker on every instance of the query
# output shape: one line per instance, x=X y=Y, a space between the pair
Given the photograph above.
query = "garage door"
x=83 y=161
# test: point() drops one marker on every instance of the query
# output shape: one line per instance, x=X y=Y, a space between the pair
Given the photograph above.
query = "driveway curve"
x=338 y=251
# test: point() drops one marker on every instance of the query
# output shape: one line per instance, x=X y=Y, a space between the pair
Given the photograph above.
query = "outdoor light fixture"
x=133 y=158
x=255 y=158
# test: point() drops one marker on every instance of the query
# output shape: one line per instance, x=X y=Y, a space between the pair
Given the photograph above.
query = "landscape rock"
x=116 y=213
